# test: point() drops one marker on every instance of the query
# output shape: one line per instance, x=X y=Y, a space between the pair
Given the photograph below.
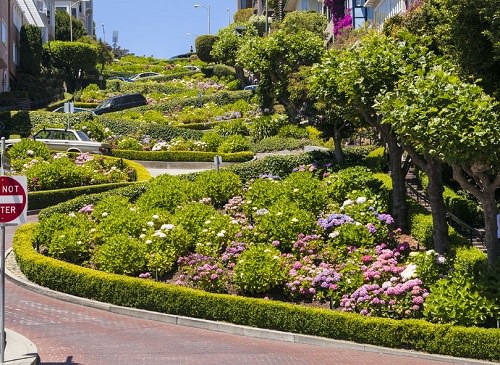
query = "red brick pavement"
x=67 y=333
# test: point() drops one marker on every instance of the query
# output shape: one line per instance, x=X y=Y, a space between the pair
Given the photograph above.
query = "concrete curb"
x=233 y=328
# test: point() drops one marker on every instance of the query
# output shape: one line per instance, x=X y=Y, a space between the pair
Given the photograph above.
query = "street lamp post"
x=71 y=4
x=103 y=34
x=208 y=8
x=228 y=17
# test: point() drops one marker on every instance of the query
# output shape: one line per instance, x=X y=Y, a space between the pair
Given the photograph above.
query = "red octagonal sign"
x=12 y=199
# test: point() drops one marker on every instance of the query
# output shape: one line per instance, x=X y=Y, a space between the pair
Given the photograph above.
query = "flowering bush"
x=202 y=272
x=258 y=270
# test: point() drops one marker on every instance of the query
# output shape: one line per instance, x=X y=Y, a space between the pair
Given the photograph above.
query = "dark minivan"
x=120 y=102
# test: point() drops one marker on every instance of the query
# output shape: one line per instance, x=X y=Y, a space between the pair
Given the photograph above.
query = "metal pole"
x=70 y=21
x=2 y=301
x=209 y=19
x=267 y=20
x=2 y=280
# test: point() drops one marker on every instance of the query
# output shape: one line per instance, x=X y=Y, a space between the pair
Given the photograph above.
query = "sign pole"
x=13 y=207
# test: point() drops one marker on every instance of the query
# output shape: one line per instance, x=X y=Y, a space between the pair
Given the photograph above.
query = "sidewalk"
x=19 y=350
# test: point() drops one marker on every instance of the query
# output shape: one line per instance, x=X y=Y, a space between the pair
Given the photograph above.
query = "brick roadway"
x=67 y=333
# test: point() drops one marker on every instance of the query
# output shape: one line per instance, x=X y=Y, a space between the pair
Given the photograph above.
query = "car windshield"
x=83 y=136
x=104 y=104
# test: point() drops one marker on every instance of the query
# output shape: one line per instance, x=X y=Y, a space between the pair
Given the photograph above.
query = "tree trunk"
x=434 y=170
x=337 y=140
x=484 y=191
x=435 y=190
x=399 y=207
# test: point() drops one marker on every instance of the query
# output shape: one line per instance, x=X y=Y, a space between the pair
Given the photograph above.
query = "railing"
x=472 y=234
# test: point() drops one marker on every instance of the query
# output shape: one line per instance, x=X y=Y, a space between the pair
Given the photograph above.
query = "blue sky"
x=159 y=28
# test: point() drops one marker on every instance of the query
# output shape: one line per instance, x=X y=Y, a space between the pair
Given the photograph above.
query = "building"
x=80 y=9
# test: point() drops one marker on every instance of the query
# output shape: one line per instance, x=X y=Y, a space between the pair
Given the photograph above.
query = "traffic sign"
x=13 y=199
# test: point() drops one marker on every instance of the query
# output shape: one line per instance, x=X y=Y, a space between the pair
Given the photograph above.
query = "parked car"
x=250 y=87
x=145 y=75
x=68 y=140
x=120 y=102
x=75 y=110
x=121 y=78
x=192 y=68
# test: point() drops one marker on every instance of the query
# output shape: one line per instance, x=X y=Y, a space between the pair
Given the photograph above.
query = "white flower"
x=347 y=202
x=156 y=216
x=333 y=234
x=430 y=252
x=361 y=200
x=208 y=222
x=142 y=236
x=104 y=214
x=407 y=273
x=295 y=190
x=72 y=214
x=441 y=259
x=295 y=220
x=133 y=209
x=30 y=153
x=92 y=230
x=151 y=224
x=167 y=227
x=413 y=253
x=148 y=242
x=162 y=235
x=221 y=234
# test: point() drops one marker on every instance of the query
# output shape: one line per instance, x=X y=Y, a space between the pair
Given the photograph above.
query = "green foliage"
x=30 y=50
x=28 y=149
x=219 y=186
x=213 y=140
x=267 y=126
x=192 y=217
x=283 y=221
x=168 y=192
x=470 y=262
x=340 y=184
x=203 y=45
x=303 y=189
x=293 y=131
x=302 y=20
x=459 y=301
x=376 y=160
x=276 y=143
x=129 y=143
x=121 y=254
x=258 y=270
x=234 y=143
x=236 y=126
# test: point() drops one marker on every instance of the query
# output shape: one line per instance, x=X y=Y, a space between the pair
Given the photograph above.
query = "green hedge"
x=42 y=199
x=478 y=343
x=192 y=156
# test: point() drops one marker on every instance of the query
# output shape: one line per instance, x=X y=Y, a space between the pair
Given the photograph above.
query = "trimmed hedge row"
x=478 y=343
x=42 y=199
x=192 y=156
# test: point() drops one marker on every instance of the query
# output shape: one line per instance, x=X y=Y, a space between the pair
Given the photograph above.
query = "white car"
x=68 y=140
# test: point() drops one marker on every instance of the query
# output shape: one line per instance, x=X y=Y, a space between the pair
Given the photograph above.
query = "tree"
x=467 y=32
x=63 y=30
x=275 y=58
x=228 y=42
x=301 y=20
x=104 y=52
x=204 y=44
x=30 y=50
x=76 y=59
x=458 y=124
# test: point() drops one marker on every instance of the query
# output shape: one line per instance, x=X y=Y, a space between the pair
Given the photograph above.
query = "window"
x=4 y=33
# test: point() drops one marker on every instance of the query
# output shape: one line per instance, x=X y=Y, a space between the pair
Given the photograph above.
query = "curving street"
x=67 y=333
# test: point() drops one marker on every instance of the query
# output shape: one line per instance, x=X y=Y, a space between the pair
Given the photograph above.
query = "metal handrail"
x=472 y=233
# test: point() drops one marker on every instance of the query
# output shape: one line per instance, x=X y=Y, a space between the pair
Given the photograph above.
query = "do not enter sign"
x=13 y=201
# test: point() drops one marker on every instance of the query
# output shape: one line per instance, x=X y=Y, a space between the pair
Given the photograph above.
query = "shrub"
x=258 y=270
x=202 y=272
x=276 y=143
x=192 y=217
x=129 y=143
x=282 y=223
x=293 y=131
x=236 y=126
x=219 y=186
x=267 y=126
x=121 y=254
x=343 y=182
x=262 y=193
x=306 y=191
x=213 y=140
x=28 y=149
x=459 y=301
x=167 y=192
x=234 y=143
